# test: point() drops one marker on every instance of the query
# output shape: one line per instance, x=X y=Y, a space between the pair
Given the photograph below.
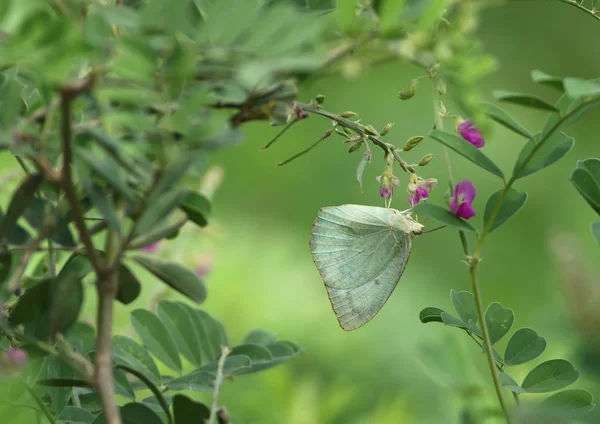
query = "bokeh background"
x=395 y=369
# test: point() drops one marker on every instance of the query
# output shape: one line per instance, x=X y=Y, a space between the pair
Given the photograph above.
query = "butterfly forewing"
x=360 y=256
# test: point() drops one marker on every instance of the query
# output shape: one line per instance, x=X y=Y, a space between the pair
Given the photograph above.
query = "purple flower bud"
x=461 y=204
x=419 y=189
x=388 y=183
x=17 y=357
x=151 y=248
x=468 y=131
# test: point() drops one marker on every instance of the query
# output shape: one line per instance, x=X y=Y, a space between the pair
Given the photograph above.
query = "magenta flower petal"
x=461 y=204
x=413 y=200
x=151 y=248
x=16 y=356
x=422 y=193
x=465 y=211
x=468 y=131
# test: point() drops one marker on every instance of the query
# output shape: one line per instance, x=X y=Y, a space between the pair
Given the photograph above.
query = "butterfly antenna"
x=435 y=229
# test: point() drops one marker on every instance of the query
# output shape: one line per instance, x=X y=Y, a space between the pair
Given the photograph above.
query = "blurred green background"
x=386 y=372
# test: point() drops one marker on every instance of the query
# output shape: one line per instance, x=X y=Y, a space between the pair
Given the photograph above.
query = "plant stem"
x=39 y=402
x=592 y=12
x=487 y=342
x=219 y=381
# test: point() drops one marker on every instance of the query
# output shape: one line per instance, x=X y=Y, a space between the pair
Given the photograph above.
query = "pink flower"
x=205 y=265
x=461 y=204
x=151 y=248
x=388 y=182
x=419 y=188
x=17 y=357
x=468 y=131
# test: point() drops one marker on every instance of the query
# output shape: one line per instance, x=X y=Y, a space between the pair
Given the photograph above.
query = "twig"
x=39 y=402
x=31 y=247
x=595 y=13
x=218 y=382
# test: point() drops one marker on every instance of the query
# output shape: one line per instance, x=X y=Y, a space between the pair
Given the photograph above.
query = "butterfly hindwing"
x=361 y=256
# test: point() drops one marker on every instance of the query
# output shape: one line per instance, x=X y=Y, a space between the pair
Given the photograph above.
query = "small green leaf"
x=5 y=265
x=522 y=99
x=138 y=413
x=62 y=382
x=503 y=118
x=199 y=380
x=574 y=402
x=107 y=168
x=197 y=208
x=576 y=87
x=82 y=336
x=122 y=385
x=66 y=294
x=464 y=303
x=596 y=231
x=550 y=376
x=100 y=199
x=540 y=77
x=32 y=305
x=442 y=215
x=156 y=338
x=155 y=391
x=162 y=231
x=129 y=286
x=360 y=169
x=180 y=323
x=587 y=186
x=263 y=357
x=260 y=337
x=21 y=198
x=513 y=202
x=452 y=321
x=178 y=277
x=551 y=151
x=187 y=411
x=467 y=150
x=73 y=415
x=508 y=383
x=38 y=211
x=431 y=314
x=524 y=346
x=570 y=111
x=128 y=353
x=158 y=211
x=499 y=321
x=234 y=364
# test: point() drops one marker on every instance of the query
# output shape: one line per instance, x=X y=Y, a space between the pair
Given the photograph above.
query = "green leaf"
x=10 y=93
x=467 y=150
x=107 y=168
x=596 y=231
x=156 y=338
x=38 y=211
x=197 y=208
x=360 y=169
x=522 y=99
x=540 y=77
x=508 y=383
x=234 y=365
x=5 y=266
x=499 y=321
x=186 y=411
x=210 y=332
x=503 y=118
x=17 y=235
x=180 y=323
x=586 y=179
x=128 y=353
x=264 y=357
x=155 y=391
x=442 y=215
x=21 y=198
x=574 y=402
x=452 y=321
x=524 y=346
x=464 y=303
x=32 y=305
x=199 y=380
x=138 y=413
x=129 y=286
x=576 y=87
x=551 y=151
x=550 y=376
x=101 y=200
x=158 y=210
x=178 y=277
x=513 y=202
x=260 y=337
x=122 y=385
x=157 y=234
x=570 y=111
x=82 y=336
x=73 y=415
x=62 y=382
x=431 y=314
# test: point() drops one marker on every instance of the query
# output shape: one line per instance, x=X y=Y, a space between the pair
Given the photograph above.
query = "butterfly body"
x=361 y=252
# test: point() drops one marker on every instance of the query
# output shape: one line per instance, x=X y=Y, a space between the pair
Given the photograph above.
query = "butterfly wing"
x=361 y=257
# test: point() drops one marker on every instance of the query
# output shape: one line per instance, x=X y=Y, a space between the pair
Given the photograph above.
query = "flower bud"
x=386 y=129
x=319 y=99
x=354 y=147
x=409 y=91
x=425 y=160
x=353 y=139
x=348 y=114
x=412 y=142
x=371 y=130
x=441 y=86
x=342 y=132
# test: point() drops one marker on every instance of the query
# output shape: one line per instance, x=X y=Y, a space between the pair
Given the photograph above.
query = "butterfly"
x=361 y=253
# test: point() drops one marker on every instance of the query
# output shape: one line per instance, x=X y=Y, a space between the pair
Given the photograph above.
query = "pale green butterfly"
x=361 y=253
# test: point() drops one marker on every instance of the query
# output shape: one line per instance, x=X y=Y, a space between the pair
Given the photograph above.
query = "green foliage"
x=526 y=100
x=442 y=215
x=509 y=204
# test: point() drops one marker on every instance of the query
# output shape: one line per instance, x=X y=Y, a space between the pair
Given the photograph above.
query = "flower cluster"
x=419 y=188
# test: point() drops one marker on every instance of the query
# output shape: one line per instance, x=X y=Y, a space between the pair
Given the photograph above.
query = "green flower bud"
x=441 y=86
x=348 y=114
x=371 y=130
x=409 y=91
x=320 y=99
x=412 y=142
x=386 y=129
x=425 y=160
x=354 y=147
x=342 y=132
x=353 y=139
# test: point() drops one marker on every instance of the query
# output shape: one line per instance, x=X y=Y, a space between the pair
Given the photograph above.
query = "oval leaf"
x=596 y=231
x=570 y=402
x=550 y=376
x=187 y=411
x=127 y=352
x=21 y=198
x=442 y=215
x=129 y=286
x=197 y=208
x=503 y=118
x=467 y=150
x=540 y=77
x=178 y=277
x=522 y=99
x=499 y=321
x=452 y=321
x=156 y=338
x=542 y=155
x=431 y=314
x=138 y=413
x=587 y=186
x=576 y=87
x=512 y=203
x=508 y=383
x=464 y=303
x=181 y=326
x=524 y=346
